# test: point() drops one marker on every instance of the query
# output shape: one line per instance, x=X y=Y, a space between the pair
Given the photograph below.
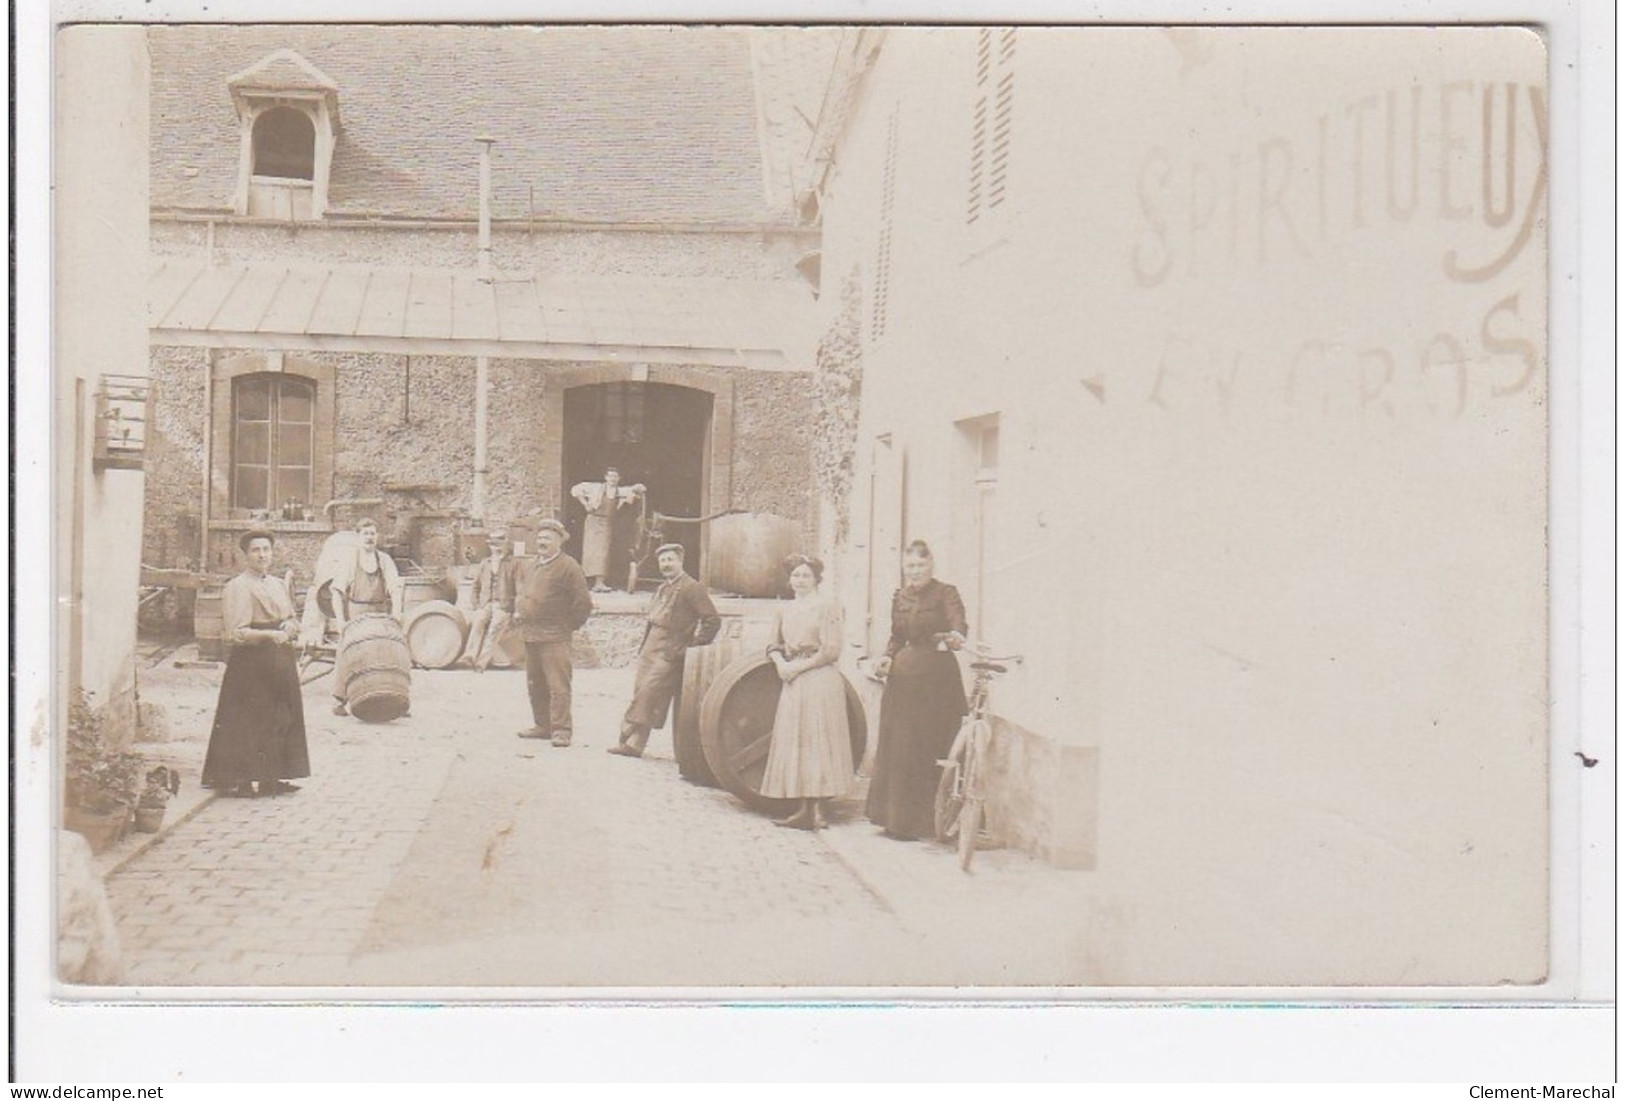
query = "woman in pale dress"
x=810 y=757
x=259 y=723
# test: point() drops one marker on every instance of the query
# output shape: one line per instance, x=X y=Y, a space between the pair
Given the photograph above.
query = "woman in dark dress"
x=924 y=700
x=259 y=723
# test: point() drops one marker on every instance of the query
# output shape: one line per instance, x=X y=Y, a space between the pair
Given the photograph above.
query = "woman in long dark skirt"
x=259 y=723
x=924 y=700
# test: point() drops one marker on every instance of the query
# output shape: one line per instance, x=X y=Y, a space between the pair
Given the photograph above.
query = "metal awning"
x=423 y=311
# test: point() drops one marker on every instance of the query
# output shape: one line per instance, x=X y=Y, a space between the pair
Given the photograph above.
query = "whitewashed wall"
x=100 y=327
x=1271 y=490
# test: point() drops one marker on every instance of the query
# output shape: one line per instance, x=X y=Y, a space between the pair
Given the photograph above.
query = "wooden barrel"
x=208 y=624
x=746 y=553
x=422 y=590
x=701 y=664
x=374 y=669
x=736 y=727
x=465 y=593
x=510 y=649
x=436 y=633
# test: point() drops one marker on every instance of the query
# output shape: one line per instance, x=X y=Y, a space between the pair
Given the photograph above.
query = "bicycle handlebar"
x=983 y=652
x=979 y=651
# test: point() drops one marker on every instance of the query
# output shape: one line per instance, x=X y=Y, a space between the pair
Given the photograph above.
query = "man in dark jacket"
x=548 y=600
x=680 y=615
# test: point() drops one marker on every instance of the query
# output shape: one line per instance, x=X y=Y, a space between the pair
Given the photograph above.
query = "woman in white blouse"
x=259 y=722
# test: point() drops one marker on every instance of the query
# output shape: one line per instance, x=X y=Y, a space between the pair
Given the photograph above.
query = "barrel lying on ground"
x=436 y=633
x=701 y=664
x=736 y=727
x=746 y=553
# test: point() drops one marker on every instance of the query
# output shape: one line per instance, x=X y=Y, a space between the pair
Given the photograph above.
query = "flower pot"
x=101 y=829
x=149 y=819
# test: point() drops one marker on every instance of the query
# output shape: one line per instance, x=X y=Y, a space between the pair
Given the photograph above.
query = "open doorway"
x=976 y=486
x=656 y=434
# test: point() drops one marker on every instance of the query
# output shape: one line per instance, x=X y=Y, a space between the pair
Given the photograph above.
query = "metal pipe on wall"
x=211 y=359
x=482 y=384
x=482 y=364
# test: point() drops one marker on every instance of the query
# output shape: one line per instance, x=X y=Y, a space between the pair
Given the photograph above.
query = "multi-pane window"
x=992 y=120
x=623 y=412
x=273 y=437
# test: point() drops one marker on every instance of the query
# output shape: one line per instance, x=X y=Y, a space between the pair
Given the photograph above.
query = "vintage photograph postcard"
x=871 y=507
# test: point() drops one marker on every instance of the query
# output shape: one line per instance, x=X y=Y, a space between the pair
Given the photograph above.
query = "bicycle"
x=960 y=809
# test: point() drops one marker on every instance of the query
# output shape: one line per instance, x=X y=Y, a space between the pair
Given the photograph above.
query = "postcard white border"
x=1460 y=1034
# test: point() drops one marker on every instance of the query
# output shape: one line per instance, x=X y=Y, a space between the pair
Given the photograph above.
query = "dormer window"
x=288 y=112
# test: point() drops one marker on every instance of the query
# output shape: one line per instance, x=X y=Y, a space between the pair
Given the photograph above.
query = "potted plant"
x=163 y=784
x=99 y=790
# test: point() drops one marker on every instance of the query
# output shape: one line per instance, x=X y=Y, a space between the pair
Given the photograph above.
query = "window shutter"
x=1003 y=108
x=979 y=125
x=992 y=121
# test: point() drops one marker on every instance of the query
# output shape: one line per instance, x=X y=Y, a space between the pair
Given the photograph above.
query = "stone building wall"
x=773 y=447
x=176 y=447
x=409 y=421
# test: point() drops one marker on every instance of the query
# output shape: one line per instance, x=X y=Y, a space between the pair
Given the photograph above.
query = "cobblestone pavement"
x=440 y=850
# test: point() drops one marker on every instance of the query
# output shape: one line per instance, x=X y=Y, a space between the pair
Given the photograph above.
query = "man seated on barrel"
x=489 y=620
x=548 y=600
x=367 y=584
x=680 y=615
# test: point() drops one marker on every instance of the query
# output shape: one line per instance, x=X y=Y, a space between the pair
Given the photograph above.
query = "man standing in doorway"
x=548 y=600
x=680 y=615
x=603 y=501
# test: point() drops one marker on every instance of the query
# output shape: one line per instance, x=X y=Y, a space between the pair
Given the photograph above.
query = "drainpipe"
x=211 y=359
x=482 y=365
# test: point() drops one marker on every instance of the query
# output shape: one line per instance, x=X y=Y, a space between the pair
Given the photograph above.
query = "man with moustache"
x=548 y=600
x=680 y=615
x=366 y=584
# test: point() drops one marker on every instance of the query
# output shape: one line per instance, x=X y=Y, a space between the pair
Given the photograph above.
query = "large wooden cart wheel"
x=736 y=727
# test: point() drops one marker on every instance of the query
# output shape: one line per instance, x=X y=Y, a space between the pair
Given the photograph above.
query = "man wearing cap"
x=680 y=615
x=548 y=600
x=489 y=619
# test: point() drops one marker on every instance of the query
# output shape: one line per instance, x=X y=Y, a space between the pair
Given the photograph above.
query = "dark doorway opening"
x=655 y=434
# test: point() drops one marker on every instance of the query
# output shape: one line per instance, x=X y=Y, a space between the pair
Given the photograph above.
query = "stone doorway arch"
x=714 y=442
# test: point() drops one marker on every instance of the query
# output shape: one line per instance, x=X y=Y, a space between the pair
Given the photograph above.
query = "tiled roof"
x=335 y=305
x=283 y=69
x=793 y=67
x=625 y=124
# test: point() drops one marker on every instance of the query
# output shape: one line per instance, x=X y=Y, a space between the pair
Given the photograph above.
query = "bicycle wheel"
x=949 y=802
x=970 y=825
x=979 y=735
